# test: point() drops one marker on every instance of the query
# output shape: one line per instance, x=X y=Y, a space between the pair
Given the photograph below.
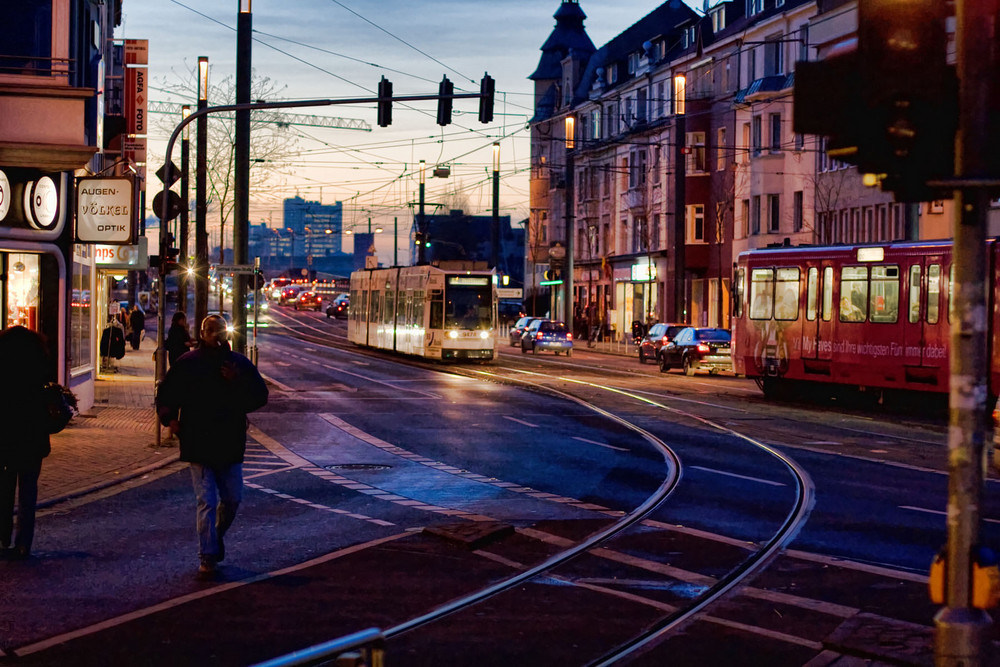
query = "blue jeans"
x=219 y=490
x=23 y=478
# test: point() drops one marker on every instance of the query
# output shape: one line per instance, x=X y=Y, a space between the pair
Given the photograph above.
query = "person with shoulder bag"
x=24 y=439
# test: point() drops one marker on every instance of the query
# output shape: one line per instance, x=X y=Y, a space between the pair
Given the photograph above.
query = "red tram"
x=875 y=317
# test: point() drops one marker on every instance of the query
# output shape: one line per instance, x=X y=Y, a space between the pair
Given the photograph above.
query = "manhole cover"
x=357 y=466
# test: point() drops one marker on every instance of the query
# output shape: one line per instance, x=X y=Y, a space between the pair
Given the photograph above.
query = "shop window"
x=884 y=297
x=80 y=309
x=22 y=290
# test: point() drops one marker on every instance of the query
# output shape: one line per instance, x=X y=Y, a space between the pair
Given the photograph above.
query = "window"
x=718 y=20
x=696 y=154
x=654 y=240
x=609 y=117
x=933 y=293
x=773 y=213
x=884 y=298
x=827 y=293
x=595 y=123
x=755 y=215
x=637 y=169
x=633 y=62
x=853 y=293
x=27 y=38
x=756 y=138
x=80 y=330
x=656 y=164
x=812 y=293
x=775 y=119
x=661 y=99
x=628 y=112
x=640 y=235
x=641 y=104
x=804 y=42
x=786 y=294
x=721 y=155
x=761 y=294
x=797 y=211
x=751 y=64
x=774 y=59
x=745 y=146
x=741 y=279
x=800 y=141
x=754 y=7
x=695 y=223
x=914 y=296
x=745 y=216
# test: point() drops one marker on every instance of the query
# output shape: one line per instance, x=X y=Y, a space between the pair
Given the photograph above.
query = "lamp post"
x=201 y=200
x=680 y=179
x=495 y=227
x=421 y=229
x=182 y=279
x=241 y=185
x=570 y=203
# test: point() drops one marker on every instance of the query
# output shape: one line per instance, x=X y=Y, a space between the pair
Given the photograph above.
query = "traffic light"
x=888 y=106
x=169 y=260
x=445 y=90
x=384 y=102
x=486 y=87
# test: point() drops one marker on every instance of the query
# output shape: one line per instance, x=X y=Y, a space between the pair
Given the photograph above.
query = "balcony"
x=42 y=126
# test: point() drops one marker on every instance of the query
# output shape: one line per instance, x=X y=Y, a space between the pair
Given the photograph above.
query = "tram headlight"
x=452 y=334
x=484 y=334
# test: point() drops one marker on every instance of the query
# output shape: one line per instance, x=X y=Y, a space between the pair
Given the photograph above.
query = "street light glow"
x=202 y=77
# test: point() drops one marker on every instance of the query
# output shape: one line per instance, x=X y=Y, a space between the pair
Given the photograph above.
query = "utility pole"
x=567 y=286
x=421 y=227
x=241 y=186
x=183 y=279
x=495 y=226
x=680 y=204
x=962 y=631
x=201 y=200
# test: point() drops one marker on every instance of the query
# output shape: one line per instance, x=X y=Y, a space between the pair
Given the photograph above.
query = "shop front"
x=638 y=294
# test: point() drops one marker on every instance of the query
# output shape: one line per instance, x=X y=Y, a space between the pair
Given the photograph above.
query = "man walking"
x=205 y=398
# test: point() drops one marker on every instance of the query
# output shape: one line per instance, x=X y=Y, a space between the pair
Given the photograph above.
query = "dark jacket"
x=211 y=408
x=24 y=438
x=176 y=342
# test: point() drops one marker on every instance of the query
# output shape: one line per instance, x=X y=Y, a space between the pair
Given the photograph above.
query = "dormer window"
x=754 y=7
x=718 y=20
x=633 y=62
x=687 y=36
x=613 y=74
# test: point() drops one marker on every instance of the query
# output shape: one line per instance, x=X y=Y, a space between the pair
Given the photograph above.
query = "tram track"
x=720 y=587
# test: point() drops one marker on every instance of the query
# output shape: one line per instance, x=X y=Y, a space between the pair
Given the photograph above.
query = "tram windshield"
x=468 y=303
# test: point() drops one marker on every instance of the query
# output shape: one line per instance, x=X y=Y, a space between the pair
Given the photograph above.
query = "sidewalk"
x=115 y=439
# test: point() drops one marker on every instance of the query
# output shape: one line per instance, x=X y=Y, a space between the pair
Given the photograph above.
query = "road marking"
x=822 y=442
x=938 y=512
x=600 y=444
x=521 y=421
x=732 y=474
x=199 y=595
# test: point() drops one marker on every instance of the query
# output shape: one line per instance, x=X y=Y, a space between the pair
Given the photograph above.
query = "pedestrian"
x=137 y=322
x=204 y=399
x=178 y=339
x=24 y=438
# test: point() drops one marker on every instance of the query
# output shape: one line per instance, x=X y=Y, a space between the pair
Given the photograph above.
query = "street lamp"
x=241 y=172
x=201 y=199
x=680 y=208
x=421 y=230
x=495 y=227
x=567 y=287
x=183 y=280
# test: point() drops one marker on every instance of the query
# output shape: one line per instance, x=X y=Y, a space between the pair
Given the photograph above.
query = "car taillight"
x=704 y=349
x=539 y=335
x=665 y=340
x=569 y=336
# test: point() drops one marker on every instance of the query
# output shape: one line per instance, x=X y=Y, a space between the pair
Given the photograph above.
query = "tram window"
x=761 y=294
x=375 y=316
x=827 y=293
x=933 y=292
x=884 y=298
x=390 y=307
x=812 y=293
x=741 y=278
x=853 y=293
x=914 y=298
x=951 y=293
x=786 y=295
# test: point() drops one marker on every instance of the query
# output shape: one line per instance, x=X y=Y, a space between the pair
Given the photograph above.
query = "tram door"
x=925 y=326
x=817 y=329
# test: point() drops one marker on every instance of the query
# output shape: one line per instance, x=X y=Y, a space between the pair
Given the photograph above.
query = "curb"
x=99 y=486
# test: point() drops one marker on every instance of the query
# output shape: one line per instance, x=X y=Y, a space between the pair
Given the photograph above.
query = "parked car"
x=309 y=300
x=658 y=335
x=339 y=307
x=698 y=348
x=547 y=335
x=518 y=329
x=289 y=295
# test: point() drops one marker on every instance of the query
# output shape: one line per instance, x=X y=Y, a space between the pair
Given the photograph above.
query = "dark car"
x=309 y=300
x=658 y=335
x=289 y=295
x=339 y=306
x=547 y=335
x=697 y=348
x=518 y=329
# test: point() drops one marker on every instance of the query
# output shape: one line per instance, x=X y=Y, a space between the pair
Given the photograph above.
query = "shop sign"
x=643 y=272
x=136 y=51
x=4 y=195
x=622 y=274
x=104 y=210
x=41 y=203
x=136 y=100
x=127 y=257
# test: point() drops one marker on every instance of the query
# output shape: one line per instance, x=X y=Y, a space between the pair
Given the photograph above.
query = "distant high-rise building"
x=316 y=228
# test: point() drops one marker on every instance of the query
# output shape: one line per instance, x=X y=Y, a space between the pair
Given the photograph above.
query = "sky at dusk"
x=340 y=49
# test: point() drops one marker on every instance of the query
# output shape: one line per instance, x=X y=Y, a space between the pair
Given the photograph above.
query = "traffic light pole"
x=962 y=631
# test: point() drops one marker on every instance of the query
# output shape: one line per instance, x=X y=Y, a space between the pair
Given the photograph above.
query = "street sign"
x=243 y=269
x=174 y=205
x=509 y=292
x=175 y=174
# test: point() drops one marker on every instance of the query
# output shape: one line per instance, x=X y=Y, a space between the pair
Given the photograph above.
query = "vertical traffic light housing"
x=384 y=102
x=445 y=90
x=486 y=88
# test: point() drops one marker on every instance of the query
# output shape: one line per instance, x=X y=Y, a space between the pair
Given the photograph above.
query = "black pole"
x=201 y=208
x=421 y=226
x=241 y=212
x=680 y=174
x=495 y=227
x=182 y=255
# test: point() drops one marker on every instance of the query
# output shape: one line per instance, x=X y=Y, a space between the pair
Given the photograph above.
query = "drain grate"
x=357 y=466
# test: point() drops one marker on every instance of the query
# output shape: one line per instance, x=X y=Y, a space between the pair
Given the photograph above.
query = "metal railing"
x=369 y=643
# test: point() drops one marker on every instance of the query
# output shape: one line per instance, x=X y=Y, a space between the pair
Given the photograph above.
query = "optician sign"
x=104 y=210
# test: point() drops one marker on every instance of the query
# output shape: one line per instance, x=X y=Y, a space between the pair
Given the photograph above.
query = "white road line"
x=732 y=474
x=938 y=512
x=520 y=421
x=600 y=444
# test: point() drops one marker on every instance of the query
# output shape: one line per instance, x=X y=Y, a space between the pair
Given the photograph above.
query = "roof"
x=568 y=34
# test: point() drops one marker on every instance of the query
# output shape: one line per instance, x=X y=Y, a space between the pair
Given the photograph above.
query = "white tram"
x=436 y=312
